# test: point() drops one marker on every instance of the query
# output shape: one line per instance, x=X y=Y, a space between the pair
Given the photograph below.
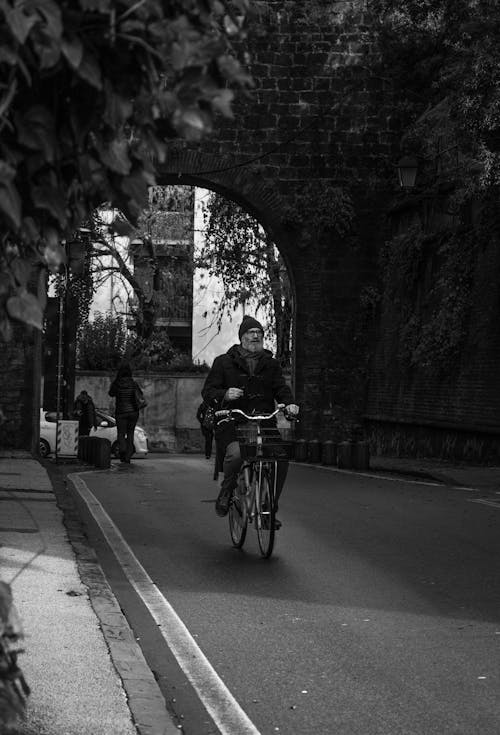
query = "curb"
x=144 y=698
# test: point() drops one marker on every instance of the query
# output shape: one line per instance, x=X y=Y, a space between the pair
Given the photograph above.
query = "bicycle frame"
x=254 y=497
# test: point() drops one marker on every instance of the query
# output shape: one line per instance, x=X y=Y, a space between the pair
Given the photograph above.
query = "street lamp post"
x=75 y=263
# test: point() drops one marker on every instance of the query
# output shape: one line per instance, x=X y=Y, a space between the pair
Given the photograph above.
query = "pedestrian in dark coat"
x=123 y=388
x=247 y=377
x=84 y=411
x=208 y=432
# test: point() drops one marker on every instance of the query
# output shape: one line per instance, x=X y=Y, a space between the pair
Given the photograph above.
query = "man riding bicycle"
x=247 y=377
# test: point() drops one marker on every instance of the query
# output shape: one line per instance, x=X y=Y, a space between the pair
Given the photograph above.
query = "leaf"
x=5 y=328
x=51 y=199
x=118 y=109
x=222 y=102
x=115 y=156
x=90 y=71
x=190 y=123
x=10 y=204
x=6 y=100
x=53 y=17
x=8 y=56
x=49 y=52
x=25 y=308
x=230 y=26
x=30 y=229
x=19 y=22
x=35 y=130
x=54 y=255
x=21 y=270
x=73 y=51
x=5 y=284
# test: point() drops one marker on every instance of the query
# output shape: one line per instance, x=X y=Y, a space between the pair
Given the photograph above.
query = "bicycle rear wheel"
x=264 y=503
x=238 y=519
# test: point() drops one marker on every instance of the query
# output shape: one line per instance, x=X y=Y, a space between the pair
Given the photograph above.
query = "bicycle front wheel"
x=264 y=502
x=237 y=519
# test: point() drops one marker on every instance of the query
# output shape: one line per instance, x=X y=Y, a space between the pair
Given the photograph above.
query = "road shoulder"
x=146 y=702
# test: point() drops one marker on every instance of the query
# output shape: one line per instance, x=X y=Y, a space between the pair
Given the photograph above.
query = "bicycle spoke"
x=264 y=502
x=237 y=519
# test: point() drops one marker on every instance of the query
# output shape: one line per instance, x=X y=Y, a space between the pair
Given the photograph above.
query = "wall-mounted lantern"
x=407 y=172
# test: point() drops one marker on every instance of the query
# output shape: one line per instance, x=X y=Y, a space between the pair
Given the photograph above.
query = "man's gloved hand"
x=292 y=410
x=232 y=394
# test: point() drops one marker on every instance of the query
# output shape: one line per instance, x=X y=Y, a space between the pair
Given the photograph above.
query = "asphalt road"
x=379 y=613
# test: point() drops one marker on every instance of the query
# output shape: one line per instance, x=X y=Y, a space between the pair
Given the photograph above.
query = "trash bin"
x=314 y=451
x=329 y=452
x=344 y=455
x=361 y=455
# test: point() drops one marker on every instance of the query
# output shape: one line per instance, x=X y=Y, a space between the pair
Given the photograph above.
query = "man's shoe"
x=222 y=503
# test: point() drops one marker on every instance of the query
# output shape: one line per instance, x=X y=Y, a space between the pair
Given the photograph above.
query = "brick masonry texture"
x=320 y=114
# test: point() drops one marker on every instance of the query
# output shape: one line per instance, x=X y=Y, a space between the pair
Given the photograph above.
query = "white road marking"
x=225 y=711
x=491 y=503
x=392 y=478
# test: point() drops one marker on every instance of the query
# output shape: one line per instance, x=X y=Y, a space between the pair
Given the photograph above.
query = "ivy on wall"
x=319 y=208
x=429 y=277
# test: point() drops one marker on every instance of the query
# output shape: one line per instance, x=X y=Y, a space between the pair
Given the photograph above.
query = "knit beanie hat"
x=249 y=323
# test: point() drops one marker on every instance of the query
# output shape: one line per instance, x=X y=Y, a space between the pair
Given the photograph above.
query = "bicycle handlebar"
x=228 y=412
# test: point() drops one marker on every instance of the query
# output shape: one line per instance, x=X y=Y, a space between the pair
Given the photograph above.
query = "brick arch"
x=238 y=182
x=247 y=188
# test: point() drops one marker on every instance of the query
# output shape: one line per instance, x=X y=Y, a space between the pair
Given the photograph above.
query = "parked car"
x=106 y=429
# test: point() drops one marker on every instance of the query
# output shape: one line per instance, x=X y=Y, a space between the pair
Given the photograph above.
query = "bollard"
x=329 y=452
x=361 y=455
x=300 y=450
x=83 y=448
x=102 y=453
x=314 y=451
x=95 y=450
x=344 y=455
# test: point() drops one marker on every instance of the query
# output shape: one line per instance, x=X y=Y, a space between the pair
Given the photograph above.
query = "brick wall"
x=453 y=413
x=20 y=368
x=318 y=113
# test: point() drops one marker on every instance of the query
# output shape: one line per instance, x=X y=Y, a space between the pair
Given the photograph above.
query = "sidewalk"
x=86 y=671
x=477 y=477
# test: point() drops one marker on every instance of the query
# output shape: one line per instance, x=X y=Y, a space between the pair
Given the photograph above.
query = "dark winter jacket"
x=85 y=411
x=261 y=390
x=123 y=389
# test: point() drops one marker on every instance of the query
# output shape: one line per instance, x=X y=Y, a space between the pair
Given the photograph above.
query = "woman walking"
x=126 y=390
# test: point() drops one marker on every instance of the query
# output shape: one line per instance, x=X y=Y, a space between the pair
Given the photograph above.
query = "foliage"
x=91 y=92
x=157 y=274
x=103 y=343
x=106 y=342
x=240 y=253
x=437 y=49
x=178 y=362
x=79 y=288
x=443 y=60
x=401 y=260
x=318 y=208
x=433 y=309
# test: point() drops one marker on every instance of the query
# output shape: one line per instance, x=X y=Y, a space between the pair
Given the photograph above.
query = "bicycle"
x=253 y=499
